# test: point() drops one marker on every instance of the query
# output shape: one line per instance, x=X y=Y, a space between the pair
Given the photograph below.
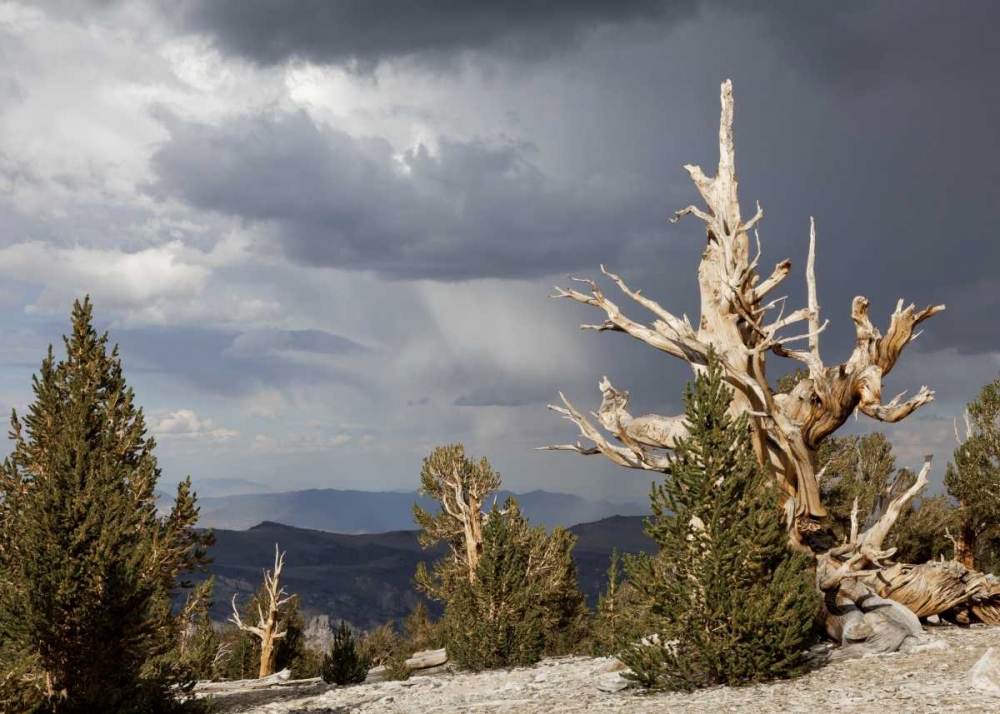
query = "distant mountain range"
x=342 y=511
x=366 y=579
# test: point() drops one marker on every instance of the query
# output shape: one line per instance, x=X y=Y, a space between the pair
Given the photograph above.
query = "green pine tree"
x=614 y=626
x=87 y=567
x=973 y=478
x=420 y=632
x=344 y=664
x=462 y=485
x=727 y=601
x=497 y=619
x=199 y=642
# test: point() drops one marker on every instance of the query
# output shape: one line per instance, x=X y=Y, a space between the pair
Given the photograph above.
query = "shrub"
x=420 y=632
x=377 y=646
x=396 y=669
x=496 y=619
x=344 y=665
x=615 y=624
x=728 y=601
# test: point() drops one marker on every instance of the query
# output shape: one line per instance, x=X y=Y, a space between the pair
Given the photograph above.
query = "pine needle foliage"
x=344 y=664
x=497 y=620
x=462 y=485
x=199 y=645
x=727 y=601
x=615 y=624
x=420 y=632
x=973 y=477
x=87 y=566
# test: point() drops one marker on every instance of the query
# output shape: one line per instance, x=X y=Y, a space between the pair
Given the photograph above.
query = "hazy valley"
x=366 y=578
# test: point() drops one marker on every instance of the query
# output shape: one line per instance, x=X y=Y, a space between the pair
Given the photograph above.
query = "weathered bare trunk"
x=268 y=624
x=735 y=307
x=267 y=647
x=873 y=604
x=965 y=543
x=473 y=531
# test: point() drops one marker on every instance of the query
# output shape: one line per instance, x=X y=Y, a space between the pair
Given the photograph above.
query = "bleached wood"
x=267 y=628
x=788 y=429
x=871 y=601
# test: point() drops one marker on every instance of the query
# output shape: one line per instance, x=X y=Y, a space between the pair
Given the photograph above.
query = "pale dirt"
x=934 y=679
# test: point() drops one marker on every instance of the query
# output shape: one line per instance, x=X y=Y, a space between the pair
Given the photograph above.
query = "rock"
x=927 y=644
x=985 y=674
x=612 y=682
x=427 y=658
x=375 y=675
x=935 y=677
x=610 y=665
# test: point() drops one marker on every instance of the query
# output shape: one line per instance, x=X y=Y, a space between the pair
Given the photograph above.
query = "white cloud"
x=315 y=441
x=185 y=424
x=141 y=281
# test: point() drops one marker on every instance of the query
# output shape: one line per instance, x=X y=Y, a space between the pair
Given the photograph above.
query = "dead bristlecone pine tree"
x=268 y=628
x=871 y=598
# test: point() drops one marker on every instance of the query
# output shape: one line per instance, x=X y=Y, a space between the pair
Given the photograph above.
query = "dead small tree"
x=267 y=628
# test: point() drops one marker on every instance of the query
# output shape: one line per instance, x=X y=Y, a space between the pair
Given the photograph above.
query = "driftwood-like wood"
x=267 y=627
x=744 y=322
x=874 y=605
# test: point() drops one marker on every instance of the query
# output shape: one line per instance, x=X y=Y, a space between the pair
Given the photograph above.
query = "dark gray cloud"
x=362 y=33
x=515 y=394
x=473 y=209
x=261 y=343
x=234 y=364
x=872 y=118
x=851 y=43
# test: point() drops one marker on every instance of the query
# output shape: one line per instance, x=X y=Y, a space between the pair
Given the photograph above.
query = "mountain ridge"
x=366 y=578
x=357 y=511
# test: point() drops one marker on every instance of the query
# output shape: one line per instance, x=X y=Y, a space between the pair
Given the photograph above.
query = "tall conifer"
x=87 y=567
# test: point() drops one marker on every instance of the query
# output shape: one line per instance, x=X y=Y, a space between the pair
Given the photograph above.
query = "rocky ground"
x=935 y=678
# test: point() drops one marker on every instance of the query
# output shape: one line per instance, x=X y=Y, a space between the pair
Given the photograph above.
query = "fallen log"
x=279 y=678
x=427 y=658
x=424 y=663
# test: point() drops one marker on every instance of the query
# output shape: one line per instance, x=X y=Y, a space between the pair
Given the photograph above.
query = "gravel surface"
x=935 y=678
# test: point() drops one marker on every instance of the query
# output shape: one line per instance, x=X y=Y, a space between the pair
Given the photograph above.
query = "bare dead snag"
x=873 y=604
x=744 y=324
x=268 y=622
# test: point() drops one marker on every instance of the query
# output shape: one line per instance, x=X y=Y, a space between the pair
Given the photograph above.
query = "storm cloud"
x=470 y=210
x=326 y=232
x=362 y=33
